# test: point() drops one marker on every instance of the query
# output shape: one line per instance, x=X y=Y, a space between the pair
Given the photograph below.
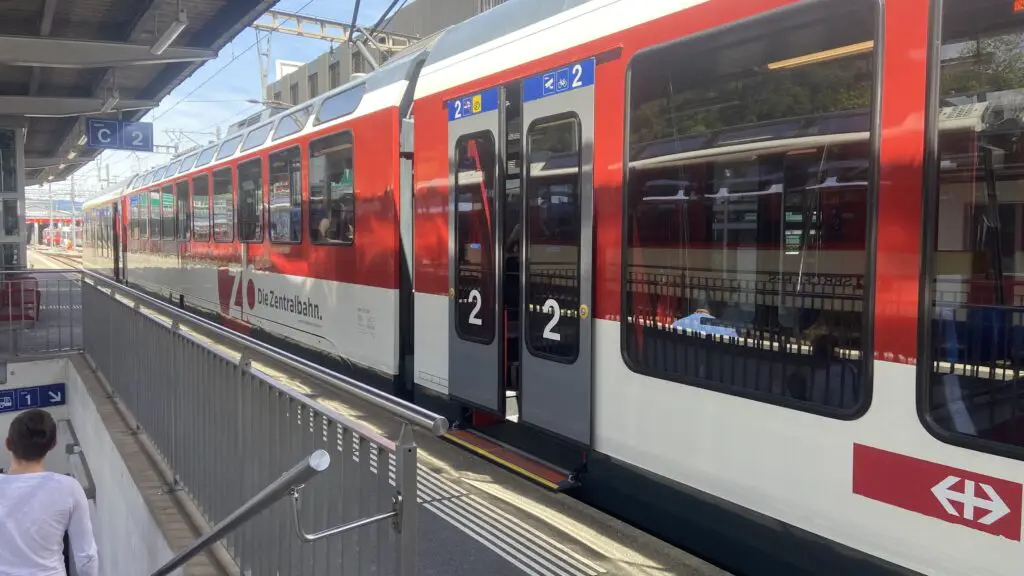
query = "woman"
x=37 y=507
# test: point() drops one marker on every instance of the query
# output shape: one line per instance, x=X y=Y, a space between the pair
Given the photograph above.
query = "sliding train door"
x=476 y=334
x=557 y=247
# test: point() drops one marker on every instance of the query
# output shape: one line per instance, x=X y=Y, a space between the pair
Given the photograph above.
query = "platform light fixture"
x=72 y=154
x=171 y=33
x=83 y=140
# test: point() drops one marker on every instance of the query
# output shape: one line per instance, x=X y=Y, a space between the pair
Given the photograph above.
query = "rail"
x=407 y=411
x=220 y=414
x=40 y=312
x=301 y=473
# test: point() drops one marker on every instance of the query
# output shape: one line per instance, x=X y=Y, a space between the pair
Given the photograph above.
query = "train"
x=743 y=273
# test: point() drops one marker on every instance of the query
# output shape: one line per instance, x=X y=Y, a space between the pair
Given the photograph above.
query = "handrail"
x=437 y=424
x=301 y=473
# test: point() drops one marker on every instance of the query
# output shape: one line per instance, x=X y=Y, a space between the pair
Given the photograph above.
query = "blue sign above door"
x=566 y=79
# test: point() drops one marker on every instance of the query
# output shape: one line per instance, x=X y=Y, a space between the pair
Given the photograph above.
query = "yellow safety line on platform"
x=503 y=463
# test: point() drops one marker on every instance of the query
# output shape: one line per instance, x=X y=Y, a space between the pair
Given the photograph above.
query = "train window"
x=292 y=122
x=228 y=147
x=340 y=105
x=973 y=355
x=167 y=209
x=475 y=162
x=332 y=190
x=748 y=205
x=158 y=174
x=205 y=156
x=188 y=162
x=250 y=201
x=286 y=196
x=184 y=210
x=201 y=208
x=133 y=212
x=172 y=169
x=143 y=215
x=223 y=207
x=154 y=214
x=256 y=137
x=552 y=234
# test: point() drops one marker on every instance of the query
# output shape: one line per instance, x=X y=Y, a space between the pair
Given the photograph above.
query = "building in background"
x=418 y=19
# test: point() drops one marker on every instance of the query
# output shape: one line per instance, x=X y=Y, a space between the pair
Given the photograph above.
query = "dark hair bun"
x=32 y=434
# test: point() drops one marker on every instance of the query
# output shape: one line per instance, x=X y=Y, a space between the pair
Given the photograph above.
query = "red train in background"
x=742 y=272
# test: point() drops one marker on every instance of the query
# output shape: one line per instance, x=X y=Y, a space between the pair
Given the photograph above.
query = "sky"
x=216 y=93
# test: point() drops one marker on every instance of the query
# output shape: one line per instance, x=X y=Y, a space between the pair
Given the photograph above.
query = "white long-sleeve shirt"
x=35 y=511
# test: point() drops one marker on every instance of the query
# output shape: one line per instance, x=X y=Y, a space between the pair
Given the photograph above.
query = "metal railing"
x=40 y=312
x=206 y=398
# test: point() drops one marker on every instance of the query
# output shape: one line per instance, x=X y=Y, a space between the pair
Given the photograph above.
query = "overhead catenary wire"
x=221 y=69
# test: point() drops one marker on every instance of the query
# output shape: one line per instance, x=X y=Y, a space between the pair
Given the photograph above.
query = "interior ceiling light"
x=172 y=32
x=823 y=56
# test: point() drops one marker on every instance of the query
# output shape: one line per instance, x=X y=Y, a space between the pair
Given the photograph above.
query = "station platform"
x=478 y=518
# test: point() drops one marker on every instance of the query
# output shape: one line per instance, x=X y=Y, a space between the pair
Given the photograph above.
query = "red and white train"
x=746 y=269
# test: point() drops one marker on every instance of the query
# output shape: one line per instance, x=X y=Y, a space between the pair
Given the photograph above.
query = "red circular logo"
x=250 y=294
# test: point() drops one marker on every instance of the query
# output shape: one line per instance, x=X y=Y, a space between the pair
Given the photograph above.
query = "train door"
x=557 y=251
x=476 y=336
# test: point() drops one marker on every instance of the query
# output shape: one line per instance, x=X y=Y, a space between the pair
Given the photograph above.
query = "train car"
x=261 y=228
x=741 y=272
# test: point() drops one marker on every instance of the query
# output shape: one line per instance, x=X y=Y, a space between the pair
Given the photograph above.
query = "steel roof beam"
x=37 y=162
x=60 y=53
x=48 y=106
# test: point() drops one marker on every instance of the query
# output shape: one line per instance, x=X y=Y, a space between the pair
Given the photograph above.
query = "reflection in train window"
x=201 y=208
x=286 y=196
x=154 y=214
x=167 y=210
x=184 y=211
x=553 y=237
x=475 y=165
x=134 y=213
x=748 y=206
x=250 y=201
x=223 y=207
x=976 y=346
x=332 y=216
x=143 y=215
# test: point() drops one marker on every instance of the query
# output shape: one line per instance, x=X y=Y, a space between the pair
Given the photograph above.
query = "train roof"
x=396 y=71
x=495 y=23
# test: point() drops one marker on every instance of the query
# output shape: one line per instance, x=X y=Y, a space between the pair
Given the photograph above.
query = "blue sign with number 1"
x=565 y=79
x=16 y=399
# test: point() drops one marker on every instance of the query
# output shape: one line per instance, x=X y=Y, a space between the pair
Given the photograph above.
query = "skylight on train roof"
x=188 y=162
x=172 y=169
x=256 y=137
x=340 y=105
x=205 y=156
x=292 y=122
x=229 y=147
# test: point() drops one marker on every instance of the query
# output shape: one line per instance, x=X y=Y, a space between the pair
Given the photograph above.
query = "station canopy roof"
x=64 y=60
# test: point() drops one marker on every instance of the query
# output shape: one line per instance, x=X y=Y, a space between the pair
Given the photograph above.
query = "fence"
x=229 y=430
x=40 y=313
